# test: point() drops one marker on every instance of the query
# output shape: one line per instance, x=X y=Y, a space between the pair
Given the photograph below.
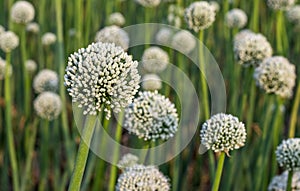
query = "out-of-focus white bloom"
x=31 y=66
x=72 y=32
x=276 y=75
x=148 y=3
x=151 y=116
x=8 y=41
x=3 y=69
x=199 y=15
x=184 y=41
x=223 y=133
x=45 y=80
x=280 y=4
x=155 y=59
x=33 y=27
x=240 y=36
x=236 y=18
x=2 y=29
x=128 y=160
x=48 y=105
x=113 y=34
x=288 y=154
x=22 y=12
x=175 y=14
x=116 y=19
x=163 y=36
x=215 y=5
x=252 y=49
x=102 y=75
x=48 y=39
x=151 y=82
x=142 y=178
x=278 y=183
x=293 y=14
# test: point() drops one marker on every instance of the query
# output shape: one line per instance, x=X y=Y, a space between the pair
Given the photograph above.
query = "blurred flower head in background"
x=155 y=59
x=288 y=154
x=279 y=183
x=33 y=27
x=45 y=80
x=280 y=4
x=48 y=39
x=22 y=12
x=116 y=19
x=184 y=41
x=293 y=14
x=8 y=41
x=48 y=105
x=151 y=82
x=31 y=66
x=148 y=3
x=236 y=18
x=127 y=160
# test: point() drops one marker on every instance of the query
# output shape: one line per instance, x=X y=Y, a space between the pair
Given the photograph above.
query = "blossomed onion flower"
x=8 y=41
x=99 y=78
x=184 y=41
x=45 y=80
x=22 y=12
x=280 y=4
x=155 y=59
x=151 y=117
x=128 y=160
x=3 y=69
x=236 y=18
x=279 y=183
x=116 y=19
x=144 y=178
x=151 y=82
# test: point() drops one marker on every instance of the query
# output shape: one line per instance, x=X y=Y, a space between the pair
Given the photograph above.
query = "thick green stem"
x=83 y=152
x=294 y=114
x=116 y=151
x=219 y=172
x=279 y=26
x=8 y=129
x=78 y=22
x=255 y=16
x=289 y=181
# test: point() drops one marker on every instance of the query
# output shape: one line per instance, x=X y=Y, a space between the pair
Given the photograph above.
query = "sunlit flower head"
x=31 y=66
x=155 y=59
x=293 y=14
x=184 y=41
x=116 y=19
x=279 y=182
x=151 y=82
x=45 y=80
x=33 y=27
x=48 y=39
x=280 y=4
x=22 y=12
x=47 y=105
x=288 y=154
x=164 y=36
x=8 y=41
x=236 y=18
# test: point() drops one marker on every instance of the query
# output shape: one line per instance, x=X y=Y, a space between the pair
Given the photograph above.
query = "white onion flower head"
x=279 y=182
x=48 y=105
x=223 y=133
x=128 y=160
x=48 y=39
x=200 y=15
x=45 y=80
x=252 y=49
x=151 y=82
x=155 y=59
x=102 y=75
x=142 y=178
x=175 y=14
x=8 y=41
x=215 y=5
x=276 y=75
x=293 y=14
x=164 y=36
x=280 y=4
x=3 y=69
x=184 y=41
x=288 y=154
x=31 y=66
x=22 y=12
x=116 y=19
x=33 y=27
x=113 y=34
x=236 y=18
x=240 y=36
x=148 y=3
x=151 y=116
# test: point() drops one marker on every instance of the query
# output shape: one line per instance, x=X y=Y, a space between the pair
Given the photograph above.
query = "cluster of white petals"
x=155 y=59
x=48 y=39
x=45 y=80
x=33 y=27
x=236 y=18
x=48 y=105
x=31 y=66
x=293 y=14
x=8 y=41
x=288 y=154
x=102 y=75
x=223 y=133
x=128 y=160
x=22 y=12
x=175 y=14
x=280 y=4
x=151 y=116
x=279 y=183
x=276 y=75
x=116 y=19
x=184 y=41
x=113 y=34
x=164 y=36
x=142 y=178
x=151 y=82
x=200 y=15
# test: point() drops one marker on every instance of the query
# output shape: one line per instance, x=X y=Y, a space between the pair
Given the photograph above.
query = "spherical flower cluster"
x=276 y=75
x=48 y=39
x=22 y=12
x=8 y=41
x=215 y=5
x=293 y=14
x=175 y=14
x=148 y=3
x=280 y=4
x=128 y=160
x=163 y=36
x=151 y=82
x=45 y=80
x=102 y=75
x=155 y=59
x=48 y=105
x=184 y=41
x=240 y=36
x=151 y=116
x=113 y=34
x=3 y=69
x=252 y=49
x=31 y=66
x=142 y=178
x=33 y=27
x=199 y=15
x=223 y=133
x=116 y=19
x=236 y=18
x=278 y=183
x=288 y=154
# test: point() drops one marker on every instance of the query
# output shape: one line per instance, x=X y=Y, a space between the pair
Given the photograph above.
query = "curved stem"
x=219 y=172
x=289 y=181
